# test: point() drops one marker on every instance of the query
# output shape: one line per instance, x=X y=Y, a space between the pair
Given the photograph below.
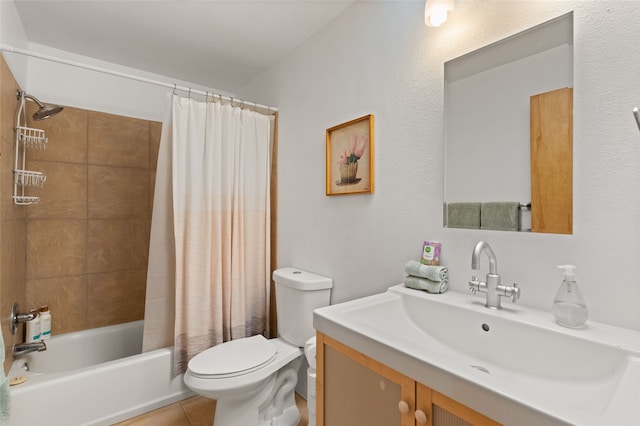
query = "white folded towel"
x=433 y=273
x=425 y=284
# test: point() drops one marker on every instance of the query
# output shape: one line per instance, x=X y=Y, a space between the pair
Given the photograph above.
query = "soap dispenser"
x=568 y=306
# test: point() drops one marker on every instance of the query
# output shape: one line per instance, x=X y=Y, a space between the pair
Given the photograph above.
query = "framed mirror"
x=509 y=135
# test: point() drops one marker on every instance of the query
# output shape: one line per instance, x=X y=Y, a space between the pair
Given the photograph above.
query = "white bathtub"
x=93 y=377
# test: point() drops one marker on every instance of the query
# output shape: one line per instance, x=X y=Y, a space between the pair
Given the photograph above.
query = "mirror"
x=508 y=133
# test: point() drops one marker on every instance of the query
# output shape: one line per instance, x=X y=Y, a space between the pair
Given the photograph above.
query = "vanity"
x=406 y=357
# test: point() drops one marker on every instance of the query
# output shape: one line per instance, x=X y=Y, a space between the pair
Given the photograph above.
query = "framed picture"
x=350 y=157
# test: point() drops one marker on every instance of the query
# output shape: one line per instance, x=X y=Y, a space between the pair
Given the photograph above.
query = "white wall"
x=12 y=34
x=81 y=88
x=378 y=57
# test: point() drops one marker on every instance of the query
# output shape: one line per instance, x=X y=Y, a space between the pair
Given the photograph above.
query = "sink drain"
x=480 y=368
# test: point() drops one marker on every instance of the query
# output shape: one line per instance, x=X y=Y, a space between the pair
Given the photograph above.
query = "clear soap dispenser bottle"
x=568 y=306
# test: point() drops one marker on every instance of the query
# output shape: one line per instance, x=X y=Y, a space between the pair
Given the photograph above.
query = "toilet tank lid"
x=301 y=280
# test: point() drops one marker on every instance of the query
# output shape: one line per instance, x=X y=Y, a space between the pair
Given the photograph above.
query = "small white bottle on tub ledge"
x=45 y=322
x=33 y=327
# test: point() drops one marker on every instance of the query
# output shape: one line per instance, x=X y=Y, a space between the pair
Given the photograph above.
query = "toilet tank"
x=298 y=293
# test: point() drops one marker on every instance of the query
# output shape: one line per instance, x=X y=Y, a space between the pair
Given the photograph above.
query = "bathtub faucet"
x=25 y=348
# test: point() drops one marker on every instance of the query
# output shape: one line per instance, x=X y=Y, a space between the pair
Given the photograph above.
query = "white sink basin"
x=510 y=339
x=516 y=357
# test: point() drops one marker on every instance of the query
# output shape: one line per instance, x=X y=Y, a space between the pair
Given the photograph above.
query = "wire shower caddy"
x=26 y=138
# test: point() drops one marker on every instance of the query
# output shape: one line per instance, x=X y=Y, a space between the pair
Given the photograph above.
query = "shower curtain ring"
x=189 y=92
x=174 y=88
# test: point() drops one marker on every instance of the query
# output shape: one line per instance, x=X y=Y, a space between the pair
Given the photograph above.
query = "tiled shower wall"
x=88 y=239
x=13 y=226
x=83 y=249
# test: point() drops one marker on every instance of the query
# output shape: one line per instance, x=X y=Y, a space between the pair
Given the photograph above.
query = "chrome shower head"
x=45 y=111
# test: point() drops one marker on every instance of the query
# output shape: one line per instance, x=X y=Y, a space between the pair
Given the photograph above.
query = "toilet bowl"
x=253 y=379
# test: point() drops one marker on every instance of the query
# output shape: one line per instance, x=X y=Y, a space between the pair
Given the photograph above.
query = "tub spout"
x=25 y=348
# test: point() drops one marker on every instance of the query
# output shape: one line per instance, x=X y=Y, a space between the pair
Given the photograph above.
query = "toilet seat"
x=233 y=358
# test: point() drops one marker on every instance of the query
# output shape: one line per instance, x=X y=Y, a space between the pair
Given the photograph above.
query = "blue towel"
x=5 y=393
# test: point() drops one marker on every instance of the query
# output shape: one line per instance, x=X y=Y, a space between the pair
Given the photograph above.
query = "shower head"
x=45 y=111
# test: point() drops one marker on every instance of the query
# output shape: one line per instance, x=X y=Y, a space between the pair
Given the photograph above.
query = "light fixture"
x=435 y=12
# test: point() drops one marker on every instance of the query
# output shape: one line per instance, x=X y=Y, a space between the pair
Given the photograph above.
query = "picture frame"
x=350 y=157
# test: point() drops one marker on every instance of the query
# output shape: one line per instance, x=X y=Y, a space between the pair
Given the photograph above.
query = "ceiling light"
x=435 y=12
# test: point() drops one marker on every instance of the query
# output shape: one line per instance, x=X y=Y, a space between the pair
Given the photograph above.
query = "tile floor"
x=194 y=411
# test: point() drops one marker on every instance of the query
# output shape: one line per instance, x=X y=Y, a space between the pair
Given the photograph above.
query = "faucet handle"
x=474 y=285
x=515 y=292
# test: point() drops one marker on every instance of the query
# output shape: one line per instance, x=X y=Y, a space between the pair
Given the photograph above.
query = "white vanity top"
x=515 y=365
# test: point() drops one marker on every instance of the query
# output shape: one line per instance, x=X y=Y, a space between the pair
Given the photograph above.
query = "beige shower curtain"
x=220 y=159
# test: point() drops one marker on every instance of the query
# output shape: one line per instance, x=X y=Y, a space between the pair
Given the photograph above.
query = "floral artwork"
x=350 y=157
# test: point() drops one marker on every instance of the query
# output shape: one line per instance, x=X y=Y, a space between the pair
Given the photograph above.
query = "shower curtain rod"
x=174 y=87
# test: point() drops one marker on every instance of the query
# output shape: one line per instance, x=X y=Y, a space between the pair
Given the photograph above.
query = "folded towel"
x=500 y=216
x=463 y=215
x=5 y=393
x=434 y=273
x=426 y=285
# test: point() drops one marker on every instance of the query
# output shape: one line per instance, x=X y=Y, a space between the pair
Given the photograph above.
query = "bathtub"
x=93 y=377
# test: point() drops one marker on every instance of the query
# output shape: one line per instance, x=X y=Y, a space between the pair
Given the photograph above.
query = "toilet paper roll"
x=310 y=352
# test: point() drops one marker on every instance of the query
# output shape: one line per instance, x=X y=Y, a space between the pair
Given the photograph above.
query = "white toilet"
x=253 y=379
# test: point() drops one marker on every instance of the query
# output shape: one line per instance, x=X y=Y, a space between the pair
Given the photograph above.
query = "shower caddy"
x=26 y=138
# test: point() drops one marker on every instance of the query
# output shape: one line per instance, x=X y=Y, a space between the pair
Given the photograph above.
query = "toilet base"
x=273 y=405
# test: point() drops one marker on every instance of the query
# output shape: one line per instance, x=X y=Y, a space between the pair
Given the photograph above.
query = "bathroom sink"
x=511 y=339
x=547 y=373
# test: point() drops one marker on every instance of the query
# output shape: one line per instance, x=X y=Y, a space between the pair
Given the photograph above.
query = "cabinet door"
x=435 y=409
x=353 y=389
x=552 y=162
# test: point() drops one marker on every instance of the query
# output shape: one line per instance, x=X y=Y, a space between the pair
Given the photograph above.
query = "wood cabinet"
x=354 y=389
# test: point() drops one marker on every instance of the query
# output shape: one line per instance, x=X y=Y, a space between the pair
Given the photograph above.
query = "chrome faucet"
x=492 y=287
x=25 y=348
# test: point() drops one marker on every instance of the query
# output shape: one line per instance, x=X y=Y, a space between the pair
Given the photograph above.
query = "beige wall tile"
x=115 y=297
x=12 y=285
x=46 y=255
x=56 y=247
x=12 y=217
x=64 y=194
x=66 y=298
x=13 y=260
x=155 y=131
x=118 y=192
x=117 y=244
x=9 y=107
x=118 y=141
x=66 y=133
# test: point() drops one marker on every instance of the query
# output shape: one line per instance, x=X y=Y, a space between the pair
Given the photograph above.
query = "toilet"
x=253 y=379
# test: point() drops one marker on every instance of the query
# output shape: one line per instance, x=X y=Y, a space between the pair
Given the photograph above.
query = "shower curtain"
x=220 y=159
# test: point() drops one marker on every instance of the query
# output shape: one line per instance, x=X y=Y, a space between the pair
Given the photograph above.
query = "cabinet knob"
x=421 y=417
x=403 y=407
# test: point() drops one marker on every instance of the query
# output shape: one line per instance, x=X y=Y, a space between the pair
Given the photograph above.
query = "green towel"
x=500 y=216
x=463 y=215
x=5 y=393
x=426 y=285
x=434 y=273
